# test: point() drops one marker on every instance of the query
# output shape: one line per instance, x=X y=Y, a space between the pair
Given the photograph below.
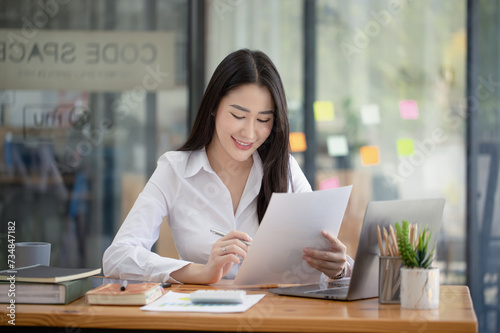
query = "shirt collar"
x=198 y=160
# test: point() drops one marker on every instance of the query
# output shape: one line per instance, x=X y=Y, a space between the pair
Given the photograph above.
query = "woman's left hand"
x=332 y=261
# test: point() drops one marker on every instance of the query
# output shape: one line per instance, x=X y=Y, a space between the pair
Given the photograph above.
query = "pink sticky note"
x=329 y=183
x=408 y=109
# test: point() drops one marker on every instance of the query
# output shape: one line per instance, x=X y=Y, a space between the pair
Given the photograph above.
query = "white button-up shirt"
x=185 y=189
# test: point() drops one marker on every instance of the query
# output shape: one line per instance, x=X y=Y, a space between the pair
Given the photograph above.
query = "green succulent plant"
x=414 y=252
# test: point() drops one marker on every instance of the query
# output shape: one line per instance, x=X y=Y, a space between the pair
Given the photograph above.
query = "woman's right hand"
x=228 y=250
x=225 y=252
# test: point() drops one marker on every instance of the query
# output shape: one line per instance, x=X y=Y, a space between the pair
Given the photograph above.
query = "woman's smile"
x=242 y=145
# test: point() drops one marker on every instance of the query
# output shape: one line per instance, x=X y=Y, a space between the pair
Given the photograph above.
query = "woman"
x=223 y=176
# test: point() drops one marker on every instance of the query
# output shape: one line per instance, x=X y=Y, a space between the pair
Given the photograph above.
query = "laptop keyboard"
x=338 y=290
x=337 y=285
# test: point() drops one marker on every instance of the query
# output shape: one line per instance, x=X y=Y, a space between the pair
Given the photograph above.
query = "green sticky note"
x=405 y=147
x=323 y=111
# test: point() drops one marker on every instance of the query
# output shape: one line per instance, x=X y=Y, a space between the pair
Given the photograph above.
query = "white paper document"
x=292 y=221
x=178 y=302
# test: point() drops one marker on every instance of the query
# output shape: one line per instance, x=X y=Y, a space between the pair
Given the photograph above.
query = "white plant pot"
x=419 y=288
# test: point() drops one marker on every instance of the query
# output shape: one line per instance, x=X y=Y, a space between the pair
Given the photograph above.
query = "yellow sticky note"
x=405 y=147
x=323 y=111
x=298 y=142
x=369 y=155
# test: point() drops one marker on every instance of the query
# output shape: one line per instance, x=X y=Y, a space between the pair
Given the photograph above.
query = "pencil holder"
x=389 y=279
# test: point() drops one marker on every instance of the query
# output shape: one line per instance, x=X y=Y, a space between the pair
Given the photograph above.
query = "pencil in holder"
x=389 y=281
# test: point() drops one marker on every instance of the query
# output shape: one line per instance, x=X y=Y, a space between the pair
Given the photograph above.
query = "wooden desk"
x=272 y=314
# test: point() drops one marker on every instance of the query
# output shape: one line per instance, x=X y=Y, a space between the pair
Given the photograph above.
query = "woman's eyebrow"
x=239 y=107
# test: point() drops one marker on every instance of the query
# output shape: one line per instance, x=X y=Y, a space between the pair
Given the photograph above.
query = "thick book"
x=46 y=274
x=134 y=294
x=44 y=293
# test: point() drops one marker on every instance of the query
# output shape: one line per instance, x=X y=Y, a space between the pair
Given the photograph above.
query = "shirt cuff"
x=348 y=272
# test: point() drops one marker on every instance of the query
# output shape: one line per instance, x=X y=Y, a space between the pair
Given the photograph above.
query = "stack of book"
x=41 y=284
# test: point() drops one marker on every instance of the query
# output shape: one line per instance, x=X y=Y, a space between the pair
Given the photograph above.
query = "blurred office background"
x=399 y=98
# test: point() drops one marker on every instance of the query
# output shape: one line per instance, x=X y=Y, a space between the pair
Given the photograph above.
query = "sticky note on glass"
x=369 y=155
x=405 y=147
x=298 y=142
x=323 y=110
x=329 y=183
x=370 y=114
x=408 y=109
x=337 y=145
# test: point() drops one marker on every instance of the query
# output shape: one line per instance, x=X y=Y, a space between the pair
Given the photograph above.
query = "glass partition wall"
x=97 y=90
x=390 y=89
x=92 y=93
x=273 y=27
x=483 y=161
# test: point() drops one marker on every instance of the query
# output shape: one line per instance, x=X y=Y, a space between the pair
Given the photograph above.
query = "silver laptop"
x=364 y=278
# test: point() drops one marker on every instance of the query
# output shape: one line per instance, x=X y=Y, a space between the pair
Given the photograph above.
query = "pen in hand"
x=222 y=234
x=124 y=285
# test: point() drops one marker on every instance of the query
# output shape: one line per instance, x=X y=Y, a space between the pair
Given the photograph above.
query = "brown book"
x=134 y=294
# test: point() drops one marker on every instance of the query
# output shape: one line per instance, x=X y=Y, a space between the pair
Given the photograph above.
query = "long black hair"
x=239 y=68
